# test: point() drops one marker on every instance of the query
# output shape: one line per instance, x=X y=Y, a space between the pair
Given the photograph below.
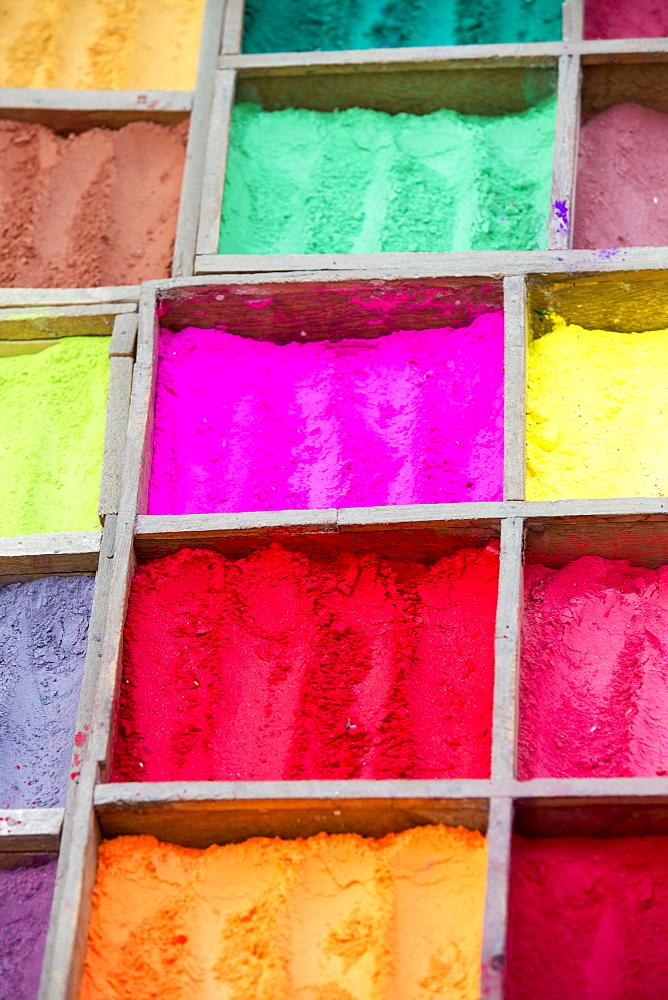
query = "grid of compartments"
x=447 y=646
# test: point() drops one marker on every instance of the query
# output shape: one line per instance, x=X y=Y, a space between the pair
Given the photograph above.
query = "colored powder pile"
x=412 y=417
x=292 y=26
x=362 y=181
x=597 y=417
x=43 y=633
x=588 y=919
x=26 y=895
x=277 y=667
x=97 y=208
x=52 y=416
x=594 y=680
x=338 y=916
x=625 y=19
x=100 y=44
x=622 y=164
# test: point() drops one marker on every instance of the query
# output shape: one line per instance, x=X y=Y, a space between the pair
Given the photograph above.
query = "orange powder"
x=329 y=918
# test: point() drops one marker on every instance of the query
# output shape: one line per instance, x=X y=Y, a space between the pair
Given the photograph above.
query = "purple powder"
x=411 y=417
x=43 y=631
x=26 y=895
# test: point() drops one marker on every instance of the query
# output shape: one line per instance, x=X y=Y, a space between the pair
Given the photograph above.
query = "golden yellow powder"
x=333 y=917
x=100 y=44
x=597 y=414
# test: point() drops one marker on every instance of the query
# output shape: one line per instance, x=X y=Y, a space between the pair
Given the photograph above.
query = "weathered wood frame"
x=583 y=287
x=77 y=110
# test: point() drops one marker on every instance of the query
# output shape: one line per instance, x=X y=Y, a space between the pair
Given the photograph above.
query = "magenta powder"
x=588 y=919
x=411 y=417
x=594 y=675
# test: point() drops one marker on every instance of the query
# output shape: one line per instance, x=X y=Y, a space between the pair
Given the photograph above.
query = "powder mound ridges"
x=363 y=181
x=97 y=208
x=622 y=161
x=338 y=917
x=100 y=44
x=594 y=680
x=26 y=894
x=588 y=919
x=412 y=417
x=597 y=419
x=52 y=416
x=291 y=26
x=276 y=666
x=43 y=633
x=625 y=19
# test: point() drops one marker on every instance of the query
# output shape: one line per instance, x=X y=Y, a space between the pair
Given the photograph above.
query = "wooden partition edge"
x=124 y=336
x=514 y=388
x=506 y=649
x=41 y=555
x=116 y=423
x=34 y=830
x=233 y=27
x=572 y=17
x=567 y=130
x=183 y=258
x=66 y=939
x=213 y=184
x=499 y=838
x=105 y=295
x=136 y=473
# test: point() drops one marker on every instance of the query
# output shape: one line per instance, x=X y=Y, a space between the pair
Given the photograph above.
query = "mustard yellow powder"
x=597 y=414
x=100 y=44
x=329 y=918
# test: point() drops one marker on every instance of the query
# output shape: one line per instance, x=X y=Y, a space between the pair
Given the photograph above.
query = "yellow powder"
x=597 y=414
x=100 y=44
x=329 y=918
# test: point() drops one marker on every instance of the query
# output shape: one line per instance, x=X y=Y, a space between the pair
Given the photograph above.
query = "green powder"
x=52 y=414
x=296 y=26
x=361 y=181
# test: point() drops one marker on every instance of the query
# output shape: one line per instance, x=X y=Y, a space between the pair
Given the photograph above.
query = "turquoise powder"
x=293 y=26
x=362 y=181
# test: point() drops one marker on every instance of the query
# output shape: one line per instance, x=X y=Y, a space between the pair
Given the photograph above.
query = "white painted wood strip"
x=594 y=788
x=572 y=17
x=507 y=649
x=450 y=57
x=66 y=941
x=183 y=261
x=216 y=163
x=37 y=555
x=30 y=297
x=12 y=314
x=124 y=336
x=609 y=49
x=22 y=829
x=560 y=230
x=133 y=794
x=515 y=381
x=354 y=517
x=176 y=524
x=499 y=838
x=481 y=263
x=95 y=100
x=233 y=27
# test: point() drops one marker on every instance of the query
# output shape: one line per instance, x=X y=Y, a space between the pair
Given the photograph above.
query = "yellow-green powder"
x=597 y=420
x=52 y=415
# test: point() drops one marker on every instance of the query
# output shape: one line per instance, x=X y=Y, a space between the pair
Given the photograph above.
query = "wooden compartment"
x=32 y=328
x=469 y=83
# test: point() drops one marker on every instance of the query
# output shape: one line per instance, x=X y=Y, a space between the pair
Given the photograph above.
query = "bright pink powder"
x=277 y=666
x=594 y=676
x=626 y=18
x=411 y=417
x=588 y=919
x=621 y=184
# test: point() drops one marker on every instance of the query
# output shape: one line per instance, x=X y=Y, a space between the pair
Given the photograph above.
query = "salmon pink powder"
x=278 y=666
x=410 y=417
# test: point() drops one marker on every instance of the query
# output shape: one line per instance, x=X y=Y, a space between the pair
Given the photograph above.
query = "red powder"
x=588 y=919
x=626 y=19
x=277 y=666
x=594 y=678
